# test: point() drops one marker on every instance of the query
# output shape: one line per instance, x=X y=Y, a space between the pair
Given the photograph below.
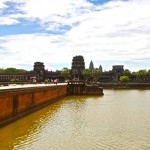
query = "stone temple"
x=39 y=71
x=78 y=65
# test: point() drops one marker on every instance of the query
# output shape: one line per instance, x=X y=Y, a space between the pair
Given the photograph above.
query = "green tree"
x=21 y=70
x=148 y=72
x=124 y=78
x=86 y=73
x=2 y=70
x=134 y=73
x=13 y=80
x=65 y=72
x=96 y=73
x=127 y=72
x=11 y=69
x=142 y=73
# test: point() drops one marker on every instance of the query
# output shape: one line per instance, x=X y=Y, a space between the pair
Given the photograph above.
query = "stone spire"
x=101 y=69
x=91 y=66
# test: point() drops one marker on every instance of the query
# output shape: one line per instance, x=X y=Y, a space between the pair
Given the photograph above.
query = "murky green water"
x=119 y=120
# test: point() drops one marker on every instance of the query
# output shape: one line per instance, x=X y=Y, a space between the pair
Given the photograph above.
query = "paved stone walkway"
x=15 y=86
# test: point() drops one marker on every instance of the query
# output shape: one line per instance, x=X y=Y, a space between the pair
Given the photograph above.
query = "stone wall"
x=16 y=103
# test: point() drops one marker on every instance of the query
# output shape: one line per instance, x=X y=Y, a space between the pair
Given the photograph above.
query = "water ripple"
x=116 y=121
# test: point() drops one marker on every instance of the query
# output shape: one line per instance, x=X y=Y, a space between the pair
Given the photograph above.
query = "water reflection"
x=119 y=120
x=26 y=128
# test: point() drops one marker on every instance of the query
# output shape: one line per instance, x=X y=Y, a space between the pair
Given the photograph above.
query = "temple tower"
x=39 y=71
x=117 y=71
x=78 y=65
x=91 y=66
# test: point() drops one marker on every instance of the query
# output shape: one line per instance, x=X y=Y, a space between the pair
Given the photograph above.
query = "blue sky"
x=108 y=32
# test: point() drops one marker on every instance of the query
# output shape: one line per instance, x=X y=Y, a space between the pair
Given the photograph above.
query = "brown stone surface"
x=24 y=101
x=18 y=102
x=6 y=105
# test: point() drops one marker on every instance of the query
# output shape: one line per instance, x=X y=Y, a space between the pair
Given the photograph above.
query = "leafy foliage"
x=134 y=73
x=2 y=70
x=65 y=72
x=12 y=70
x=124 y=78
x=13 y=80
x=86 y=73
x=127 y=72
x=148 y=72
x=142 y=73
x=96 y=72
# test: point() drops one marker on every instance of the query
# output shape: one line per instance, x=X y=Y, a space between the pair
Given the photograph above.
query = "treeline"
x=127 y=74
x=9 y=70
x=139 y=73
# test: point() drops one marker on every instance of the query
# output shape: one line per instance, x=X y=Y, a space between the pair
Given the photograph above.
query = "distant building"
x=117 y=71
x=21 y=76
x=38 y=73
x=113 y=75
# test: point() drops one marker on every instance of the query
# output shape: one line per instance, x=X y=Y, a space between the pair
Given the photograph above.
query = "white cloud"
x=8 y=21
x=116 y=32
x=46 y=8
x=27 y=49
x=5 y=17
x=2 y=5
x=53 y=14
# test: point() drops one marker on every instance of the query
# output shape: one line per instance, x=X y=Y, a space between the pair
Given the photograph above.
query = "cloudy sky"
x=108 y=32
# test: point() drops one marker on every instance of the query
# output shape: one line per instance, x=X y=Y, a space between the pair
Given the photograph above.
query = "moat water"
x=119 y=120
